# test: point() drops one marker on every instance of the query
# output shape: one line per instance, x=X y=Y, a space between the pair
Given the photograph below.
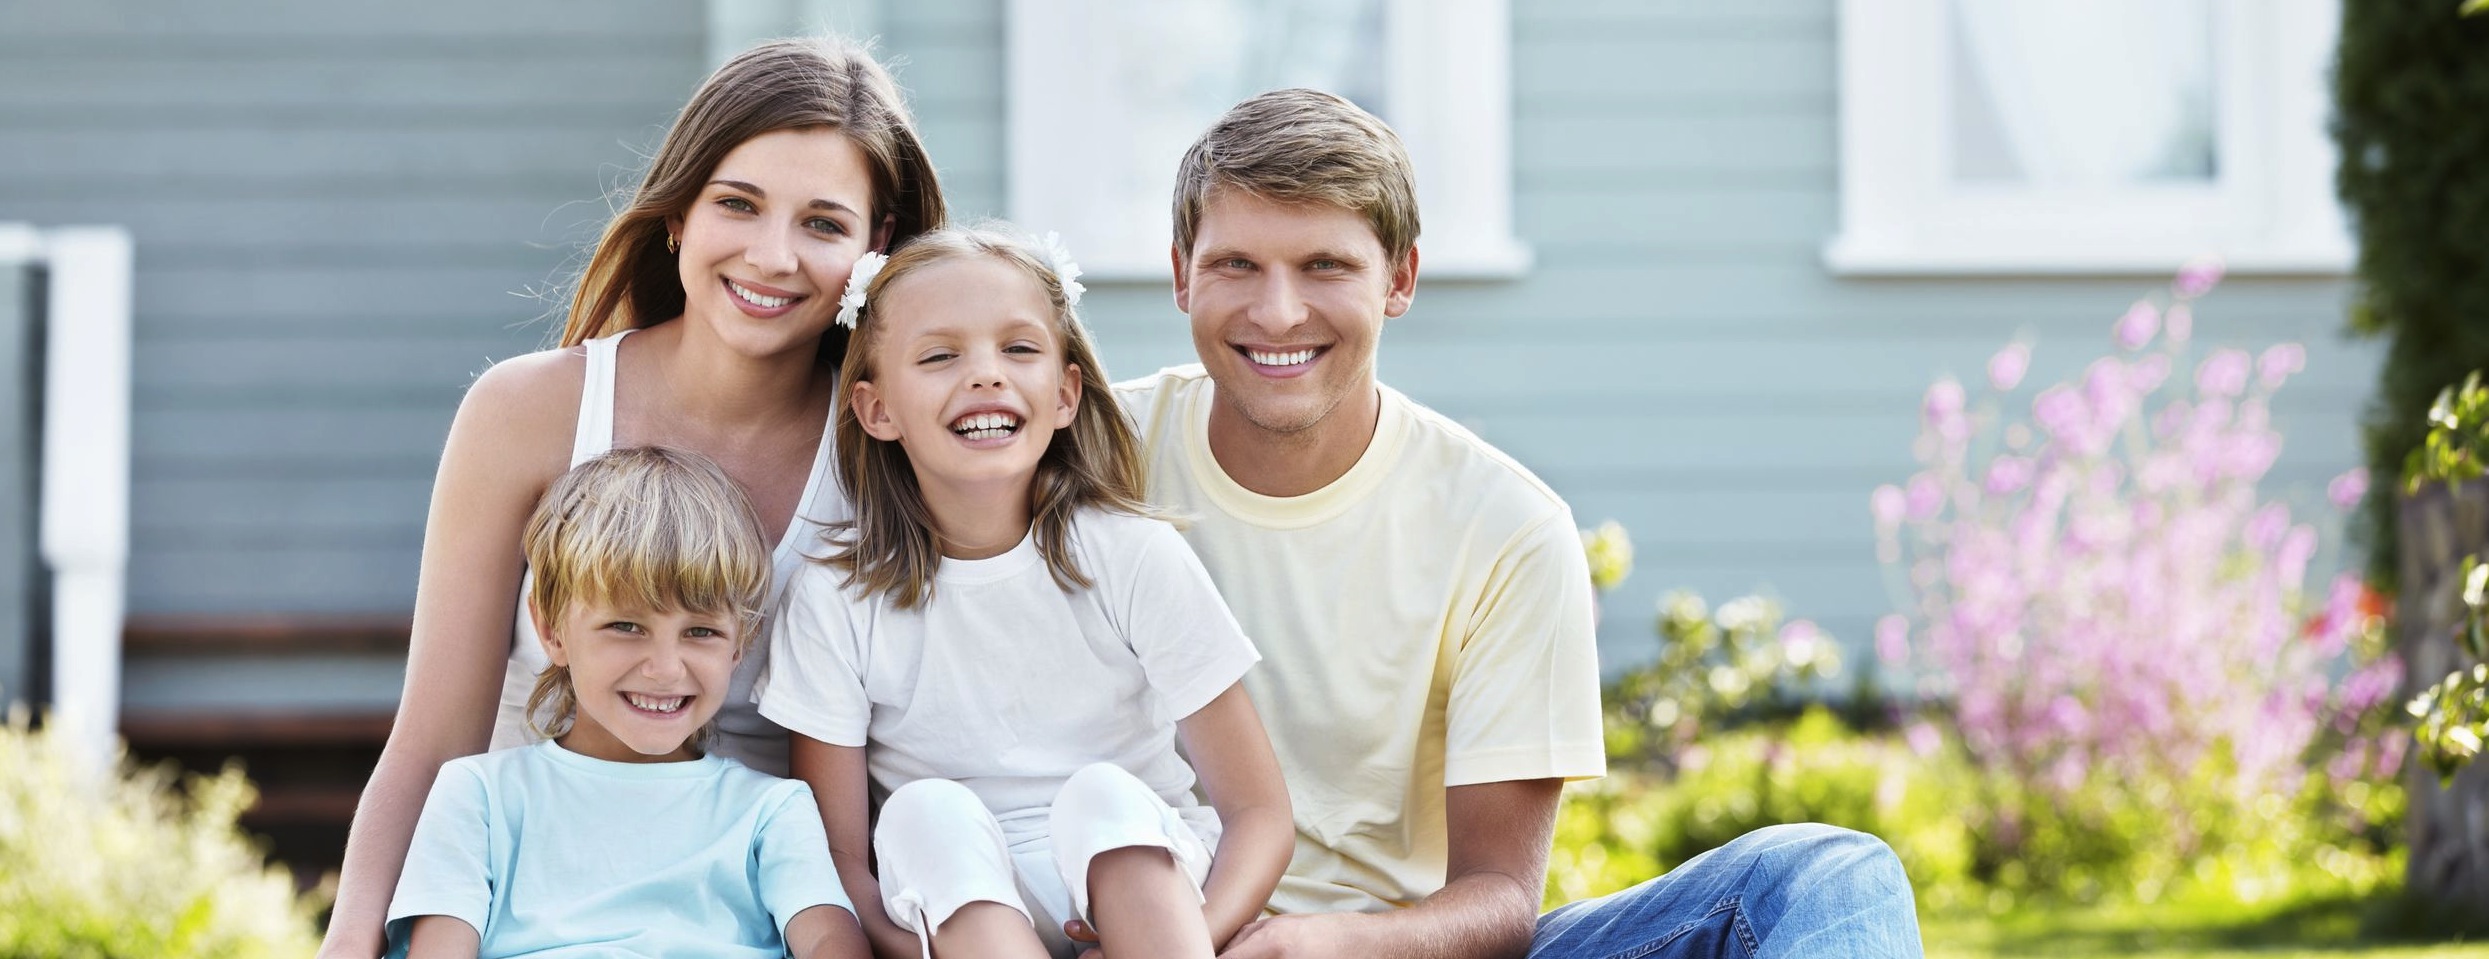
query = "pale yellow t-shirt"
x=1424 y=622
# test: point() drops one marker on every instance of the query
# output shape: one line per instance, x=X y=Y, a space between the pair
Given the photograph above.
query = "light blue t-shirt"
x=550 y=853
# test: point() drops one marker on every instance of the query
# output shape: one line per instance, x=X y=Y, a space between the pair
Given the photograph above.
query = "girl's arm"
x=441 y=937
x=1241 y=776
x=510 y=439
x=823 y=932
x=839 y=784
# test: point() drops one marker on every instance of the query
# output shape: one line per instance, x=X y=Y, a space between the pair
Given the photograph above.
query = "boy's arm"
x=838 y=780
x=1240 y=774
x=442 y=937
x=824 y=932
x=1500 y=833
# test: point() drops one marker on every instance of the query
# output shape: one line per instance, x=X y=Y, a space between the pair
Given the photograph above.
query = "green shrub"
x=2407 y=96
x=138 y=863
x=2104 y=843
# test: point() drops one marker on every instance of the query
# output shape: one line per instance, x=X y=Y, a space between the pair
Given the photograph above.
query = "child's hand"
x=1080 y=932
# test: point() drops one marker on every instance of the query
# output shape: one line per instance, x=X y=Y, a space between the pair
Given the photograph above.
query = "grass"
x=2331 y=928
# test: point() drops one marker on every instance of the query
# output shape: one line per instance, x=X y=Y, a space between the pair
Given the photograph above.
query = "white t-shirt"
x=1427 y=619
x=546 y=852
x=1006 y=682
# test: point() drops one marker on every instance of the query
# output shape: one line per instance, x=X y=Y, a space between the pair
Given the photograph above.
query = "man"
x=1421 y=601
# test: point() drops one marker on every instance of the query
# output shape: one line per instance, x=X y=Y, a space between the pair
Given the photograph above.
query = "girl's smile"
x=968 y=376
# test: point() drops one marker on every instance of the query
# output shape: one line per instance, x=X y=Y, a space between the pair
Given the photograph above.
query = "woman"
x=703 y=321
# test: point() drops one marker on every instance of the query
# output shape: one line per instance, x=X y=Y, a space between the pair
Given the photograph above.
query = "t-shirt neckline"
x=1391 y=427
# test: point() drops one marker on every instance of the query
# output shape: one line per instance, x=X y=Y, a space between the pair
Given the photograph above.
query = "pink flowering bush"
x=2116 y=621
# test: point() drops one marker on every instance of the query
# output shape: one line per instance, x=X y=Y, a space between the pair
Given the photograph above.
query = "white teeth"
x=986 y=426
x=1290 y=358
x=764 y=302
x=656 y=704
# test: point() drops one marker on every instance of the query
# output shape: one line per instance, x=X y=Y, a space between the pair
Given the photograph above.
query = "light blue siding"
x=318 y=186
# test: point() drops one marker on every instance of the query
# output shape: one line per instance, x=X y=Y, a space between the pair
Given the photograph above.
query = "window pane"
x=2082 y=93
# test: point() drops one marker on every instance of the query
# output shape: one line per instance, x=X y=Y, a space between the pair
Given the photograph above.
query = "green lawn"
x=2326 y=928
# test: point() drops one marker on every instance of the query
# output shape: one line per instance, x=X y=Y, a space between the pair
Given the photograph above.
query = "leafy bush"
x=134 y=863
x=2407 y=93
x=1917 y=790
x=2454 y=713
x=1712 y=667
x=2113 y=619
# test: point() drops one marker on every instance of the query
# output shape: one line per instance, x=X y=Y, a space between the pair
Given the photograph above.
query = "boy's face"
x=647 y=680
x=1288 y=302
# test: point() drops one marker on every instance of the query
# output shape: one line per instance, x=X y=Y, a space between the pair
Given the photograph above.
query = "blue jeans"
x=1798 y=890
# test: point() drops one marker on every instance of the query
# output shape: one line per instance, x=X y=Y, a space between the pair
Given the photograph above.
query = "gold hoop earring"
x=673 y=243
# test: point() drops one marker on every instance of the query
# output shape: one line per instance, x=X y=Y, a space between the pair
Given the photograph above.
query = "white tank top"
x=742 y=734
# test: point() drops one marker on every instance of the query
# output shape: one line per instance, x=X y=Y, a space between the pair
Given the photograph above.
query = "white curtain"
x=2096 y=93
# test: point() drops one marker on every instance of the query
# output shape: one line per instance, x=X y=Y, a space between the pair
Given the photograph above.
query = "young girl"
x=1019 y=642
x=618 y=836
x=702 y=321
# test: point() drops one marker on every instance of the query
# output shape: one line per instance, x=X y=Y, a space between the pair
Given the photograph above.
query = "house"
x=343 y=211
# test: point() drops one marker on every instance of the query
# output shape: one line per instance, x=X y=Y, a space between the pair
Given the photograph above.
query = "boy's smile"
x=646 y=680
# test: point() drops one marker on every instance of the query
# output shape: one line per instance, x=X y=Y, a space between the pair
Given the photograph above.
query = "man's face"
x=1288 y=301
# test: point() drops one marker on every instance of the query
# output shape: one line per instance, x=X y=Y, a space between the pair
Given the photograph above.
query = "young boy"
x=1421 y=601
x=617 y=835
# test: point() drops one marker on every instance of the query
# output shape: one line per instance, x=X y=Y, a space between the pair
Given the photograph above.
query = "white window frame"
x=2270 y=210
x=1449 y=96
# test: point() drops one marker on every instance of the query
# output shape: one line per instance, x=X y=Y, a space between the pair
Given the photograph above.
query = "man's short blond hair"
x=1302 y=146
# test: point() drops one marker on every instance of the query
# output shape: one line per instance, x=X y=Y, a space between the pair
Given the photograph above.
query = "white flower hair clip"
x=1060 y=258
x=851 y=302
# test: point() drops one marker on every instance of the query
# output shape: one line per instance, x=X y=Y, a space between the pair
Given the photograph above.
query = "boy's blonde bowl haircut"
x=645 y=526
x=1302 y=146
x=890 y=546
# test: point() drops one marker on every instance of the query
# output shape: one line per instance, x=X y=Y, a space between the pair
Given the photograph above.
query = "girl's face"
x=969 y=373
x=768 y=243
x=646 y=680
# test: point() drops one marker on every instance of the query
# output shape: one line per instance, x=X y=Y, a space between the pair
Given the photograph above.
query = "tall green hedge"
x=2412 y=116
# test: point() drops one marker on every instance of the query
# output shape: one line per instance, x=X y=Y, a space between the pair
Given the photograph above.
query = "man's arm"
x=1488 y=908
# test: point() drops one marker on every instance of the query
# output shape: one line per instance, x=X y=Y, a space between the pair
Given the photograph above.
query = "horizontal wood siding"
x=1679 y=359
x=346 y=210
x=341 y=213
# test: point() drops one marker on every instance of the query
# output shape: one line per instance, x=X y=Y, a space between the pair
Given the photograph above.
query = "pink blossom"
x=2060 y=412
x=1924 y=498
x=2135 y=329
x=1923 y=738
x=1887 y=505
x=2006 y=368
x=2198 y=277
x=2349 y=488
x=2007 y=474
x=2223 y=374
x=2145 y=375
x=2278 y=362
x=2180 y=322
x=1943 y=410
x=1892 y=639
x=2266 y=528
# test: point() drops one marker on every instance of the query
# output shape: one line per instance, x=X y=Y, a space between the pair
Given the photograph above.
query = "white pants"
x=940 y=849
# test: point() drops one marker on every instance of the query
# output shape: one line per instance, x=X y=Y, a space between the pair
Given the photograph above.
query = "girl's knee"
x=932 y=804
x=1104 y=788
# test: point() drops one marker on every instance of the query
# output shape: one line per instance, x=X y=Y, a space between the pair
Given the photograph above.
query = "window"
x=1104 y=96
x=2086 y=136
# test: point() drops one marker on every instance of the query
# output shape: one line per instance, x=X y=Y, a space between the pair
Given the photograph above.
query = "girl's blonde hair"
x=648 y=527
x=890 y=546
x=631 y=280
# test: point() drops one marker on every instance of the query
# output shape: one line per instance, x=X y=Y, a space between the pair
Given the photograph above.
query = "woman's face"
x=768 y=242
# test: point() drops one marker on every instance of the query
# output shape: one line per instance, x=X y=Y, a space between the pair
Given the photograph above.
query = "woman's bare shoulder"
x=527 y=405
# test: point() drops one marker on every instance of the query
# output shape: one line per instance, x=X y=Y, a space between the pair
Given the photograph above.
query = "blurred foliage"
x=2408 y=88
x=134 y=862
x=1917 y=790
x=2453 y=713
x=1611 y=555
x=1712 y=667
